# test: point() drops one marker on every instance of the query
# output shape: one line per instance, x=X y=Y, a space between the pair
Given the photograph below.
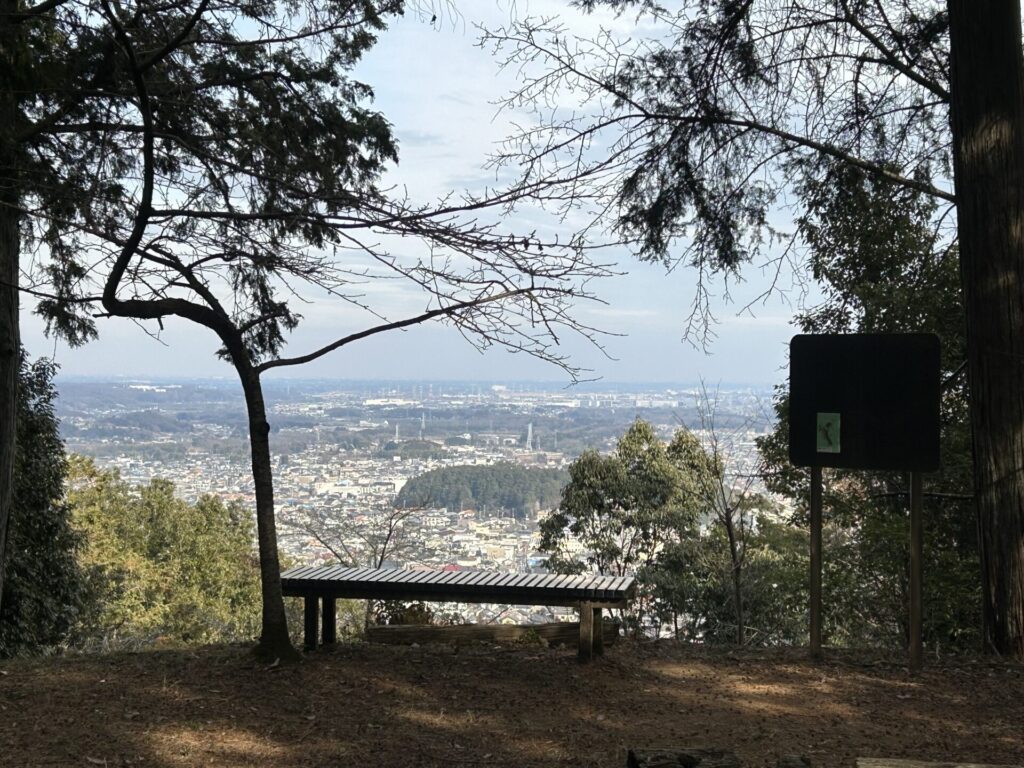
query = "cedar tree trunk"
x=9 y=364
x=274 y=641
x=10 y=245
x=987 y=98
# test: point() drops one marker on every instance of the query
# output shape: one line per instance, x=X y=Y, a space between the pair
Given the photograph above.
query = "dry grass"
x=360 y=705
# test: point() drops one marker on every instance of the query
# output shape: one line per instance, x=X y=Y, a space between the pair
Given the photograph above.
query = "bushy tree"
x=44 y=591
x=695 y=592
x=159 y=567
x=622 y=508
x=618 y=512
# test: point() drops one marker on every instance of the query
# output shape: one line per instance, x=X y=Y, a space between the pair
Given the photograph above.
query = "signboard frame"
x=882 y=392
x=866 y=401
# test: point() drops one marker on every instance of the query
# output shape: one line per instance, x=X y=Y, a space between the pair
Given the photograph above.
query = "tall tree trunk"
x=11 y=45
x=274 y=641
x=987 y=87
x=9 y=363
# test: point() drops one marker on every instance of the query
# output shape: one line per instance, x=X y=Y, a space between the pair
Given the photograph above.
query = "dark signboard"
x=864 y=401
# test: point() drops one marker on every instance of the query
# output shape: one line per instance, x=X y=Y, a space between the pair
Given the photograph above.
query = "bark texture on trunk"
x=274 y=641
x=10 y=245
x=9 y=365
x=737 y=579
x=987 y=87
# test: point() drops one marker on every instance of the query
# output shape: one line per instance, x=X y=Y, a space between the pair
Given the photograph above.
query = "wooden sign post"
x=816 y=493
x=865 y=401
x=916 y=551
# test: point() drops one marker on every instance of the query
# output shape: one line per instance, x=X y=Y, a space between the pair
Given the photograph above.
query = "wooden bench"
x=325 y=584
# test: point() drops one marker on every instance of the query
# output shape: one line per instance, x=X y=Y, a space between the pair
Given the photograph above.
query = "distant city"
x=343 y=451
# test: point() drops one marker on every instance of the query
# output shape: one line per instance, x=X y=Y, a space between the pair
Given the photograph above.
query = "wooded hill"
x=499 y=488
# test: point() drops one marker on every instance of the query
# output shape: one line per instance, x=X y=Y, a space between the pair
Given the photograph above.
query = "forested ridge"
x=502 y=487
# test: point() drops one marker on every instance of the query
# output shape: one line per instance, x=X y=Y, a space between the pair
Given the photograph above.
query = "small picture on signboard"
x=828 y=433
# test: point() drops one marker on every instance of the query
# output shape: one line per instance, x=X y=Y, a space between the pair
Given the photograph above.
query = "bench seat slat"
x=493 y=580
x=457 y=577
x=391 y=577
x=556 y=581
x=489 y=579
x=359 y=574
x=429 y=579
x=296 y=573
x=506 y=584
x=519 y=581
x=452 y=578
x=423 y=577
x=478 y=577
x=500 y=580
x=314 y=574
x=539 y=581
x=448 y=577
x=590 y=587
x=337 y=572
x=561 y=581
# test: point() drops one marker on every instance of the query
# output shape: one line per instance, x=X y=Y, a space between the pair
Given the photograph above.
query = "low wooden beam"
x=554 y=633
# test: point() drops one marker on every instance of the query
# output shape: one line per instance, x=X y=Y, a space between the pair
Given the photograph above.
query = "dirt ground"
x=362 y=705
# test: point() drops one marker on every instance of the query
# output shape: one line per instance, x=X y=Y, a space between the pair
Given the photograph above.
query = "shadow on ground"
x=394 y=706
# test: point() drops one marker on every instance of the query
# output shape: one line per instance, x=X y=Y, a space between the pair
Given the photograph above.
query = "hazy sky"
x=437 y=89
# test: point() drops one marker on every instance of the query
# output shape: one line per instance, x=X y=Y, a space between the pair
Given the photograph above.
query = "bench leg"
x=312 y=607
x=329 y=633
x=598 y=633
x=586 y=649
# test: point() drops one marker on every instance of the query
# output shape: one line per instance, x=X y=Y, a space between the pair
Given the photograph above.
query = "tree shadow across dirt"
x=439 y=706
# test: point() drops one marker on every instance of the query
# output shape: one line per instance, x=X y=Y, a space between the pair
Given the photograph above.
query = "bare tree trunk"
x=274 y=641
x=987 y=87
x=10 y=359
x=737 y=578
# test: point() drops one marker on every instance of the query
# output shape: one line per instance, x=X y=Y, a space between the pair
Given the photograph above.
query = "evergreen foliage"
x=623 y=508
x=498 y=488
x=160 y=568
x=44 y=589
x=873 y=252
x=692 y=586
